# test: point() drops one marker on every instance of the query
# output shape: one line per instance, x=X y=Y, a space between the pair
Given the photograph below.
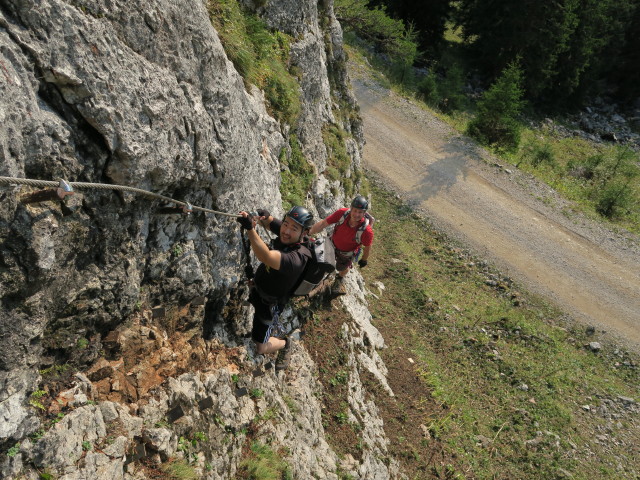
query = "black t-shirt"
x=280 y=283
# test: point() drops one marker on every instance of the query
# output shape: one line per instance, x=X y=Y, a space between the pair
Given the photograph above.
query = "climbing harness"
x=63 y=189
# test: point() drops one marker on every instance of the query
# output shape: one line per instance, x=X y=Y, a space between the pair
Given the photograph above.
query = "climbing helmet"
x=301 y=216
x=360 y=202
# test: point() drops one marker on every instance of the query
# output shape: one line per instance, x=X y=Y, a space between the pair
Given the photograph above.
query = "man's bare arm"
x=319 y=226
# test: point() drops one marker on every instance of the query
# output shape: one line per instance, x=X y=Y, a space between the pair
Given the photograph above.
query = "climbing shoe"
x=284 y=356
x=338 y=287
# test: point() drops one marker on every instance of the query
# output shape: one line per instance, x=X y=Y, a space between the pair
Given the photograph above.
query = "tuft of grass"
x=35 y=399
x=13 y=451
x=179 y=470
x=297 y=174
x=339 y=161
x=54 y=370
x=256 y=393
x=264 y=463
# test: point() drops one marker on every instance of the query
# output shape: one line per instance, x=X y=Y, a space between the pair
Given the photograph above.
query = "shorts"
x=343 y=261
x=263 y=317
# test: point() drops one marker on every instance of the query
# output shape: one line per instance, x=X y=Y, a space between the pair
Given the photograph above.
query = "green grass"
x=179 y=470
x=500 y=364
x=585 y=194
x=339 y=161
x=297 y=175
x=260 y=55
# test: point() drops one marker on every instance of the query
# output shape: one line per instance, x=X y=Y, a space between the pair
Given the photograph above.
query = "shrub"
x=586 y=169
x=610 y=179
x=538 y=154
x=450 y=90
x=613 y=198
x=428 y=89
x=613 y=182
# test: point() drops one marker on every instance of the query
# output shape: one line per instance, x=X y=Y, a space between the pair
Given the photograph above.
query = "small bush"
x=428 y=89
x=450 y=90
x=586 y=169
x=612 y=179
x=389 y=35
x=537 y=154
x=614 y=198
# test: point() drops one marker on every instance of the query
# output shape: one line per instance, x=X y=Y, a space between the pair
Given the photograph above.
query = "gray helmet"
x=301 y=216
x=360 y=202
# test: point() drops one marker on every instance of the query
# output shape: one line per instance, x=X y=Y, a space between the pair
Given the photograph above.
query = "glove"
x=245 y=222
x=263 y=213
x=362 y=263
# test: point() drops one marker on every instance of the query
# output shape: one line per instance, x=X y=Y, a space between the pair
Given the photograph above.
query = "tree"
x=536 y=31
x=429 y=17
x=374 y=25
x=564 y=45
x=594 y=48
x=496 y=122
x=624 y=71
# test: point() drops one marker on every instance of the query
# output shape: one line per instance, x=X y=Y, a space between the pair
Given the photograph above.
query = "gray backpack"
x=322 y=262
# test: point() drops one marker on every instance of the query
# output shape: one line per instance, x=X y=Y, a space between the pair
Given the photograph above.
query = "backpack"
x=322 y=261
x=368 y=220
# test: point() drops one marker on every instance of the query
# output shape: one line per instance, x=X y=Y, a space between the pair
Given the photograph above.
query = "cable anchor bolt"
x=64 y=190
x=49 y=194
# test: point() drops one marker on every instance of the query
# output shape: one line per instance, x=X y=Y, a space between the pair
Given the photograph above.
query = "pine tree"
x=496 y=122
x=429 y=17
x=624 y=70
x=536 y=31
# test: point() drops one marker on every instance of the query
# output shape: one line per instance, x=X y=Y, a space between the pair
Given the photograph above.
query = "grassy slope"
x=497 y=385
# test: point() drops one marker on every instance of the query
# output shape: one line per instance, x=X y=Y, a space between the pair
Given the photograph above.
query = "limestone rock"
x=143 y=94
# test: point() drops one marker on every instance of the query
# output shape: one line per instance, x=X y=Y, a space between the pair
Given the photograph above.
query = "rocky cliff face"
x=139 y=316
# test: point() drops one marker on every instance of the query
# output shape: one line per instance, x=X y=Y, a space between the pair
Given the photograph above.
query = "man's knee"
x=262 y=348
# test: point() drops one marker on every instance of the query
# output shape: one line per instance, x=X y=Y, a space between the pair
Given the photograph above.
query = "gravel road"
x=500 y=213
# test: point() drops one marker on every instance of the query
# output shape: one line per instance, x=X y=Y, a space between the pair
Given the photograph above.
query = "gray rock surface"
x=143 y=94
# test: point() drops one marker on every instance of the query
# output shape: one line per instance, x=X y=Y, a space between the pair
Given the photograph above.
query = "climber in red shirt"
x=352 y=232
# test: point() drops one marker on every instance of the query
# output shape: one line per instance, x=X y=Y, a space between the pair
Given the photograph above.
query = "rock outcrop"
x=142 y=315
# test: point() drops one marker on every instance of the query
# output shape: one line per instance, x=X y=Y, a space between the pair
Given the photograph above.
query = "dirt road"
x=501 y=213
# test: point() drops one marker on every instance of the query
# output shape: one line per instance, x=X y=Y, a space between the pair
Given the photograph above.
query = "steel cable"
x=106 y=186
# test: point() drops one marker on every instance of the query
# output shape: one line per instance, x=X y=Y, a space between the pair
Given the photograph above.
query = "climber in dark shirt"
x=279 y=272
